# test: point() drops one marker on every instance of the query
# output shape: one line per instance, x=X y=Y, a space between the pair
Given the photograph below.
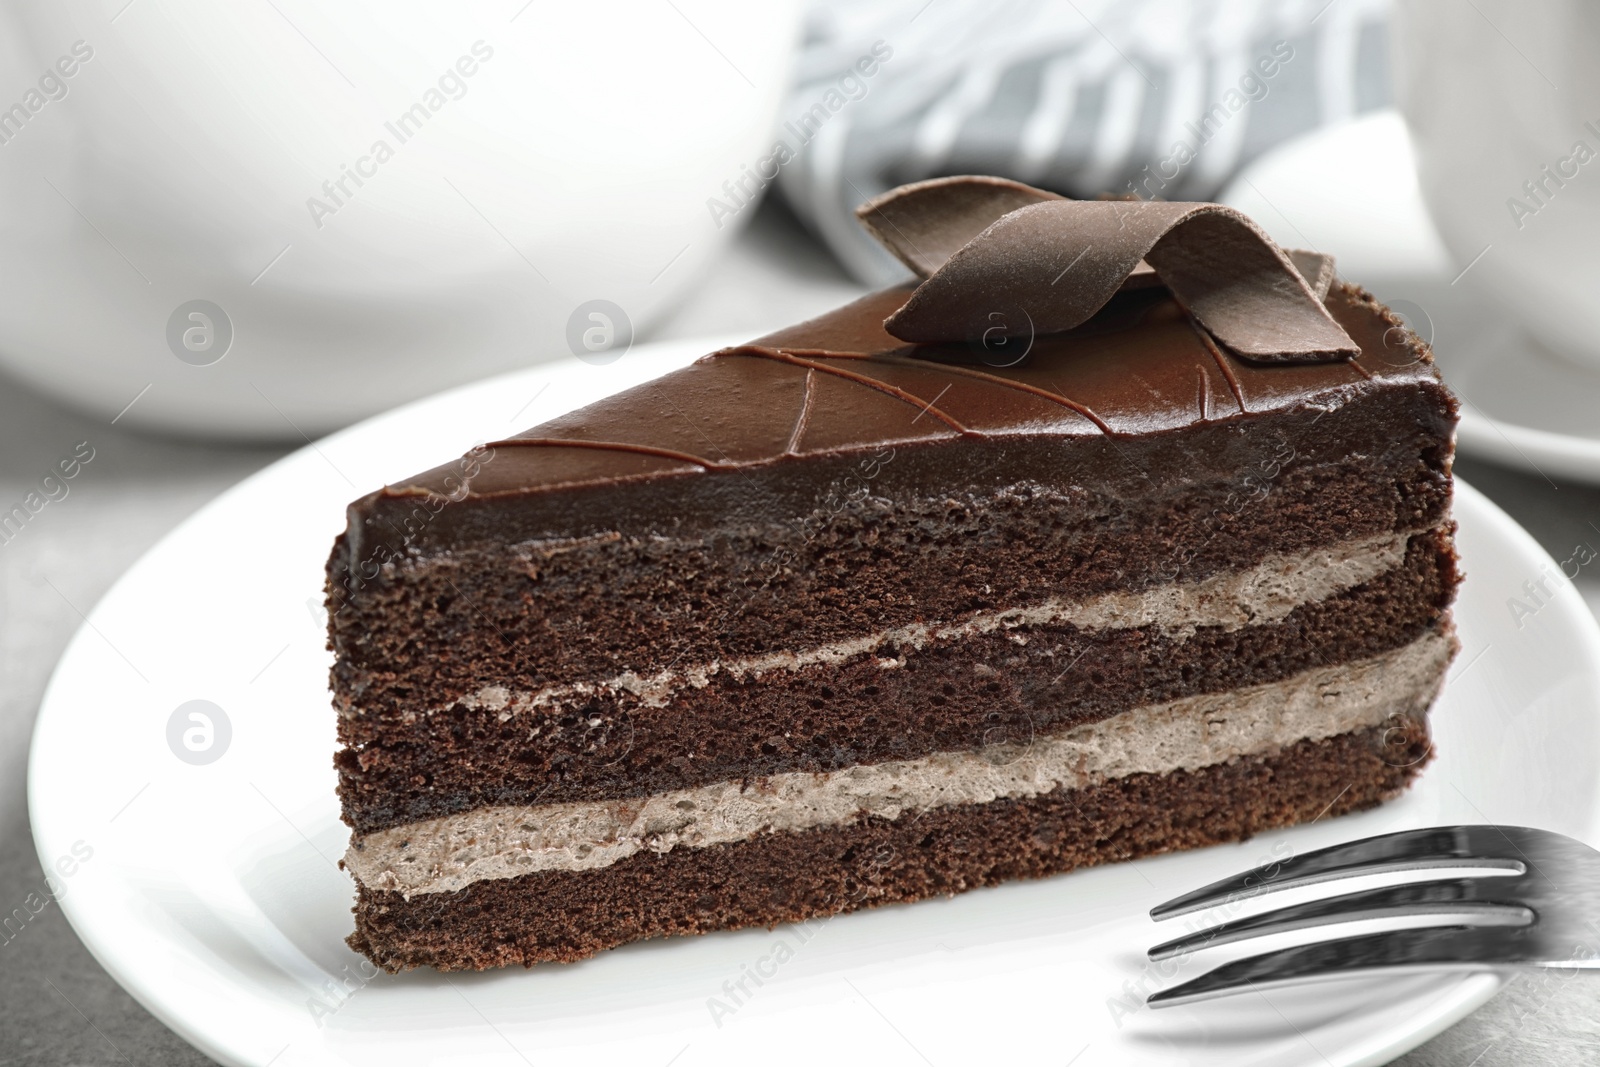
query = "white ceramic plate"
x=212 y=893
x=1352 y=190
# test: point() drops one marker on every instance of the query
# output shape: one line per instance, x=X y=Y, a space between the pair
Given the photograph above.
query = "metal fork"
x=1545 y=913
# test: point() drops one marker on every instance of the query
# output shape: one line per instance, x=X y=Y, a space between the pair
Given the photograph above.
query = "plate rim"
x=164 y=1005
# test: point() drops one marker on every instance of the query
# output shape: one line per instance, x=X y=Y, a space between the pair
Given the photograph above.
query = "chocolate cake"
x=1120 y=530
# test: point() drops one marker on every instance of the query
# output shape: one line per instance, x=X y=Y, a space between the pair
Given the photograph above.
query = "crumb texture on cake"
x=564 y=916
x=1264 y=593
x=1010 y=683
x=446 y=855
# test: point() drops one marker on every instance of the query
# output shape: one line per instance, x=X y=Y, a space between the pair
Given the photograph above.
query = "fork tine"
x=1409 y=850
x=1479 y=896
x=1428 y=949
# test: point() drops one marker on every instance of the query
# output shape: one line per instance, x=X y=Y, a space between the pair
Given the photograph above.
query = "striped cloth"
x=1158 y=98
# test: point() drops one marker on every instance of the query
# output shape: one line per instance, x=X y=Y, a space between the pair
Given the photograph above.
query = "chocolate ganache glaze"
x=1146 y=318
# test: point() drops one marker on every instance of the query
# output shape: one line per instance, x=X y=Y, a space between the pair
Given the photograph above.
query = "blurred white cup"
x=1502 y=98
x=199 y=220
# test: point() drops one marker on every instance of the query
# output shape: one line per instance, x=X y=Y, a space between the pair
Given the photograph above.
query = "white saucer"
x=212 y=892
x=1521 y=404
x=1352 y=190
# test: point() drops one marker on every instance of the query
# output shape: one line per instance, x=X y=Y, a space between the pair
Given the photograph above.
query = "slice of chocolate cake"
x=1121 y=531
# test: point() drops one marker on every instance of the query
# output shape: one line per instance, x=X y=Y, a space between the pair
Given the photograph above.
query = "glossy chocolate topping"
x=841 y=383
x=1143 y=364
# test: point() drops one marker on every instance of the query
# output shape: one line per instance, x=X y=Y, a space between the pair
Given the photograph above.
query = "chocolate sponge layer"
x=947 y=696
x=789 y=877
x=797 y=554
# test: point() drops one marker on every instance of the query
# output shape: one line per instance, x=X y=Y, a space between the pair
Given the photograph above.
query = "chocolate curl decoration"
x=1315 y=267
x=925 y=223
x=1062 y=260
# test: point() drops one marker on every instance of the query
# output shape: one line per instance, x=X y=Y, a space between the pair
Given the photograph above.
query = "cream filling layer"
x=448 y=854
x=1262 y=594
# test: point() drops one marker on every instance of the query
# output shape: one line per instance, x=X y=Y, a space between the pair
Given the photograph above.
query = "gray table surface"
x=58 y=1007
